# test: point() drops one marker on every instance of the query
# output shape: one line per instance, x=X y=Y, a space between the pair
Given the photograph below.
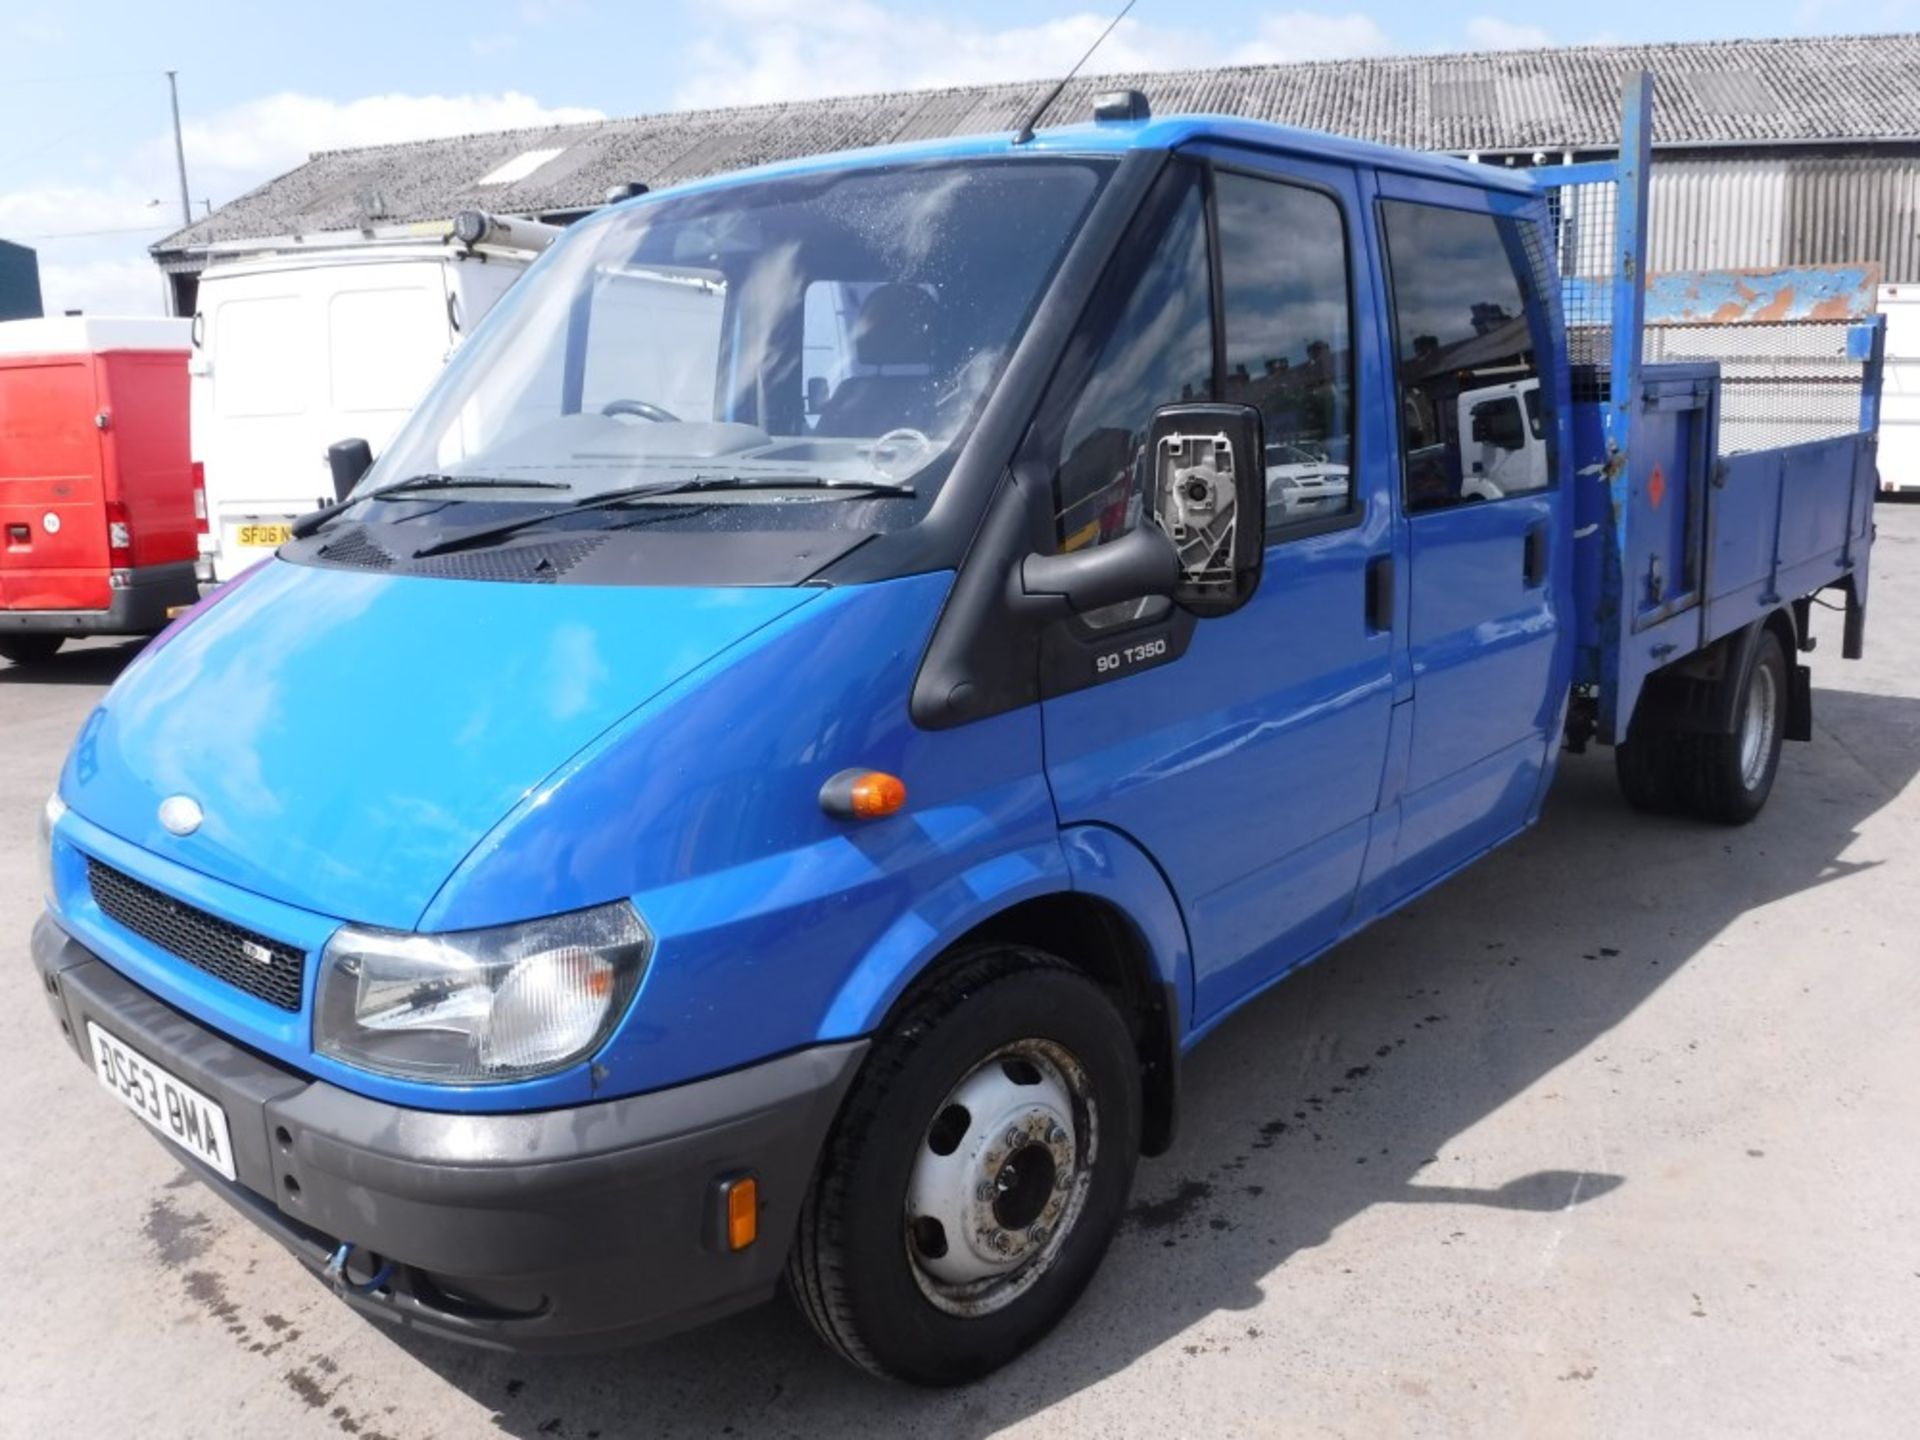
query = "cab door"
x=1479 y=400
x=1243 y=753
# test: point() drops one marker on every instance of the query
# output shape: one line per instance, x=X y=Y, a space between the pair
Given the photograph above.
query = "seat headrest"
x=895 y=327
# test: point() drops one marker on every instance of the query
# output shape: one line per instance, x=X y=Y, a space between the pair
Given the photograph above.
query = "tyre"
x=1732 y=775
x=29 y=648
x=976 y=1172
x=1647 y=765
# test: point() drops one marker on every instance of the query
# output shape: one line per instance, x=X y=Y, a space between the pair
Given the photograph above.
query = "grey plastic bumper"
x=137 y=608
x=564 y=1229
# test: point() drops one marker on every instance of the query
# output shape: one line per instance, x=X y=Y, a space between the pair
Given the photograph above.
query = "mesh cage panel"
x=1782 y=382
x=1582 y=223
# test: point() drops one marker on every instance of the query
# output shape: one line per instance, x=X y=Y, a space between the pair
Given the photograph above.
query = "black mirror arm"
x=1139 y=564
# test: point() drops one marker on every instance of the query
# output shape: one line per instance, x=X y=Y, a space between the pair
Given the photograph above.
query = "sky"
x=86 y=155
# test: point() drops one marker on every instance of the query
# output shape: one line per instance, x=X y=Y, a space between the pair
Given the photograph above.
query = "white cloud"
x=1312 y=35
x=757 y=50
x=264 y=137
x=102 y=287
x=228 y=152
x=1489 y=32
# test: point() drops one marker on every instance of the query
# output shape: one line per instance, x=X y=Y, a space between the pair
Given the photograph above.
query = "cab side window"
x=1159 y=351
x=1289 y=339
x=1471 y=408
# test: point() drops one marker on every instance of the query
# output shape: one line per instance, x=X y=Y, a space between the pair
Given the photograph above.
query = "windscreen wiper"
x=433 y=480
x=610 y=499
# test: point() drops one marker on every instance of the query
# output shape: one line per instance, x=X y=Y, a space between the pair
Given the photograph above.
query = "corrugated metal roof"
x=1757 y=92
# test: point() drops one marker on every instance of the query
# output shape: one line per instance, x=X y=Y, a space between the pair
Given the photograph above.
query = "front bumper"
x=139 y=607
x=565 y=1229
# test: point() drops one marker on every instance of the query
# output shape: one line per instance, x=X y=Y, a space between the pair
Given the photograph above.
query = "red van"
x=98 y=502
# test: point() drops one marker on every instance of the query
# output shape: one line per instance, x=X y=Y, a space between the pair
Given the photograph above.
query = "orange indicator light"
x=863 y=795
x=743 y=1213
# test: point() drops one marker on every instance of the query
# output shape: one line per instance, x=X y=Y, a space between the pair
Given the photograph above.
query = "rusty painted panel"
x=1737 y=297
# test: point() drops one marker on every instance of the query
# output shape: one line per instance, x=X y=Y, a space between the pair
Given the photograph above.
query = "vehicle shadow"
x=89 y=663
x=1324 y=1098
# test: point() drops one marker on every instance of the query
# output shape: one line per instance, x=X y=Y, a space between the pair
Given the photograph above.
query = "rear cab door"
x=1243 y=753
x=1480 y=405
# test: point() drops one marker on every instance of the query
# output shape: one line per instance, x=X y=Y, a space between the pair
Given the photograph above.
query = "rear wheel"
x=30 y=648
x=1732 y=775
x=976 y=1174
x=1647 y=765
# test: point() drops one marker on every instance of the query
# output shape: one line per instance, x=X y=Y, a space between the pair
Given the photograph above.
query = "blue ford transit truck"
x=857 y=666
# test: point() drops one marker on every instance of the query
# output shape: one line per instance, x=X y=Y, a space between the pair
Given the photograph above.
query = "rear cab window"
x=1472 y=415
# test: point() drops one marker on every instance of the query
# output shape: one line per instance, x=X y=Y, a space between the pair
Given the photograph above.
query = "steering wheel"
x=645 y=409
x=897 y=441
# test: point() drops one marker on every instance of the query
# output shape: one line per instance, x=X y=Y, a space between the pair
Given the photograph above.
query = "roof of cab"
x=1170 y=132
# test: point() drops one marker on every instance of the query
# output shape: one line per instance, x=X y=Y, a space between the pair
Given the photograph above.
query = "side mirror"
x=348 y=460
x=816 y=394
x=1207 y=492
x=1140 y=563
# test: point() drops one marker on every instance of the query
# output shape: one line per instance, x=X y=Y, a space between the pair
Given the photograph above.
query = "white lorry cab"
x=298 y=345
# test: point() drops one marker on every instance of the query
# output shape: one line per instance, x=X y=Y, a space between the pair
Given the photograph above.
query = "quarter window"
x=1472 y=423
x=1289 y=340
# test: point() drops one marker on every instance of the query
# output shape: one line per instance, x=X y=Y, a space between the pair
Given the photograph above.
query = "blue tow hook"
x=335 y=1273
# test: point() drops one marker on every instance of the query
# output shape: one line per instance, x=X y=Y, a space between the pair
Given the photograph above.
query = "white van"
x=299 y=347
x=1504 y=440
x=1900 y=390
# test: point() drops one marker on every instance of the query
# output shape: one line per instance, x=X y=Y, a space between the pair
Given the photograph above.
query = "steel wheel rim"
x=1756 y=727
x=990 y=1203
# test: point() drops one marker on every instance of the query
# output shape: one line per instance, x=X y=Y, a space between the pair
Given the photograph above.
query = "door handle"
x=1536 y=563
x=1380 y=594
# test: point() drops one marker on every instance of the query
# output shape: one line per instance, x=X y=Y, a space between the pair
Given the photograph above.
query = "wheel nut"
x=1011 y=1139
x=1001 y=1241
x=1038 y=1234
x=984 y=1192
x=1056 y=1136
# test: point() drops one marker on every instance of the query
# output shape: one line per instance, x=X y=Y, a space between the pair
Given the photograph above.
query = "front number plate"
x=267 y=536
x=173 y=1107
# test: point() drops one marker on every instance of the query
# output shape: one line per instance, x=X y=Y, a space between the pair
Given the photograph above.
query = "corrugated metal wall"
x=1801 y=210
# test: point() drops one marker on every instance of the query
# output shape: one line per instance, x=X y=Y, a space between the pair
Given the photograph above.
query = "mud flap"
x=1799 y=702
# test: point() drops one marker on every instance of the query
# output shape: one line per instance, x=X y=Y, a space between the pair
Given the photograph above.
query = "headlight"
x=50 y=814
x=479 y=1006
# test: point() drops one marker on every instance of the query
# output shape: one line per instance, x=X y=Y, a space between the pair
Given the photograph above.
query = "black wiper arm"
x=609 y=499
x=306 y=524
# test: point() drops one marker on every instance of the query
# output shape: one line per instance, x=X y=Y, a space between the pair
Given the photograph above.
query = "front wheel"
x=976 y=1174
x=30 y=647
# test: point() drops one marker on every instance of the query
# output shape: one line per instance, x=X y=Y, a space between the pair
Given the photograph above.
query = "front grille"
x=198 y=938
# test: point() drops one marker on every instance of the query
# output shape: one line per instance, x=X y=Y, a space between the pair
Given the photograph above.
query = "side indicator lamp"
x=733 y=1213
x=863 y=795
x=743 y=1213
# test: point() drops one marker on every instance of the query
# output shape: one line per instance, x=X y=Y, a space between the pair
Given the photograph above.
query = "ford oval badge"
x=180 y=814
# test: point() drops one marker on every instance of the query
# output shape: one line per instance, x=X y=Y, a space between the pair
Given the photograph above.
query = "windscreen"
x=840 y=327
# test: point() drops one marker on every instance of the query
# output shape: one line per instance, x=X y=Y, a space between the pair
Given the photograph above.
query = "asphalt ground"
x=1614 y=1135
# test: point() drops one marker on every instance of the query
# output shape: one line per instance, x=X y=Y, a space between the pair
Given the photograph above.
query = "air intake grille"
x=538 y=564
x=356 y=551
x=224 y=951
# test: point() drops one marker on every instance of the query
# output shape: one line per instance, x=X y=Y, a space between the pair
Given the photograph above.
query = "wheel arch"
x=1101 y=905
x=1701 y=694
